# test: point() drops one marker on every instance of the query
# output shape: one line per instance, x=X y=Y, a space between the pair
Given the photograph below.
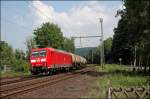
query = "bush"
x=20 y=66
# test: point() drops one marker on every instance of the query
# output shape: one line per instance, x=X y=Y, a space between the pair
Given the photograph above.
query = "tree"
x=121 y=40
x=19 y=54
x=7 y=55
x=15 y=60
x=107 y=49
x=68 y=45
x=48 y=35
x=133 y=30
x=30 y=43
x=96 y=52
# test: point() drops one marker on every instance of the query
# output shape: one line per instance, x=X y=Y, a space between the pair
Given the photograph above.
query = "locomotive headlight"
x=32 y=61
x=43 y=60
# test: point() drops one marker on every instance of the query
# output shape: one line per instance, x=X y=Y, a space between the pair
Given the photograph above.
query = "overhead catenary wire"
x=81 y=37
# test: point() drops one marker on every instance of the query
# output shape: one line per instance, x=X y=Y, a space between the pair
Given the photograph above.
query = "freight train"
x=46 y=60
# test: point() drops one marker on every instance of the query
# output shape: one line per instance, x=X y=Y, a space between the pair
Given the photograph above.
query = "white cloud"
x=79 y=20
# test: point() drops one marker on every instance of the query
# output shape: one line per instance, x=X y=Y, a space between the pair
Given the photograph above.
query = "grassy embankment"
x=14 y=74
x=19 y=68
x=118 y=76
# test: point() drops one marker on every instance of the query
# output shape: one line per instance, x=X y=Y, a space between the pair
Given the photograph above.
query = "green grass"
x=91 y=64
x=119 y=76
x=14 y=74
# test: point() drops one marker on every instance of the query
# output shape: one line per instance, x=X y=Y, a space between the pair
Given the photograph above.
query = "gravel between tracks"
x=78 y=87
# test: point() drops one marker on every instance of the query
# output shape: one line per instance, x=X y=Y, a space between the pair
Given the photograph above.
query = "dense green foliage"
x=30 y=43
x=95 y=53
x=48 y=35
x=19 y=54
x=12 y=59
x=107 y=50
x=6 y=54
x=20 y=66
x=133 y=32
x=68 y=45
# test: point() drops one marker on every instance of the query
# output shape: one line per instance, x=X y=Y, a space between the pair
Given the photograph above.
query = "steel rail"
x=15 y=80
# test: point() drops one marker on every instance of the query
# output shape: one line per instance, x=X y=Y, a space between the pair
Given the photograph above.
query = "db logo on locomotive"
x=38 y=60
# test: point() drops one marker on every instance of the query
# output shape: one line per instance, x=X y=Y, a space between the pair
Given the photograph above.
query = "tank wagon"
x=44 y=60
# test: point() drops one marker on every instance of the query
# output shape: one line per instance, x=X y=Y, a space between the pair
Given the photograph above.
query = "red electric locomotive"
x=43 y=60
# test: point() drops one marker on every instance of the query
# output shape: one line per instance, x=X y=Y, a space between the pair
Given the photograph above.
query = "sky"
x=75 y=18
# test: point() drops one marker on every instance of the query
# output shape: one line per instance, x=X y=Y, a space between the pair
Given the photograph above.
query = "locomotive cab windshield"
x=41 y=53
x=38 y=57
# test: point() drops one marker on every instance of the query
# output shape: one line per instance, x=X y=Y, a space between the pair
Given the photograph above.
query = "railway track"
x=16 y=79
x=13 y=89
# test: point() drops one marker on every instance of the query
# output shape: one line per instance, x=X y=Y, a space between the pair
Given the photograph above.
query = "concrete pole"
x=102 y=44
x=92 y=56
